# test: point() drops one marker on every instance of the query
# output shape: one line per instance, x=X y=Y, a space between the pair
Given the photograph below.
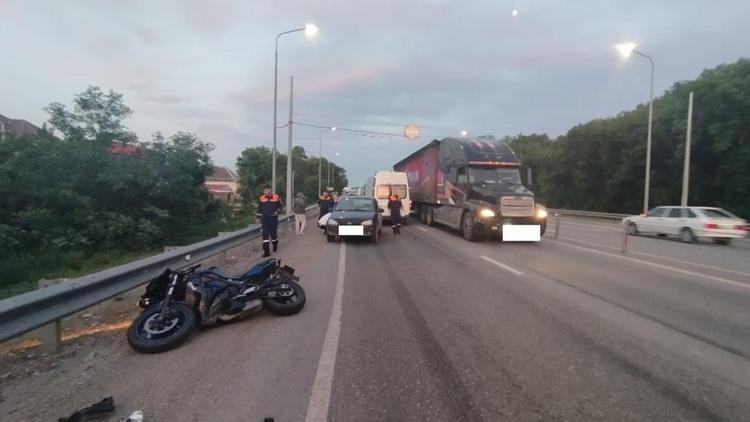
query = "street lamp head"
x=625 y=49
x=337 y=154
x=514 y=12
x=310 y=30
x=333 y=129
x=464 y=133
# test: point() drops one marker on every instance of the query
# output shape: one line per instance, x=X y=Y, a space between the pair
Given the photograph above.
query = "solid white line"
x=422 y=228
x=501 y=265
x=320 y=398
x=695 y=264
x=653 y=264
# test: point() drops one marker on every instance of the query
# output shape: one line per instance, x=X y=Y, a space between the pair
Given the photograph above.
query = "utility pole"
x=289 y=149
x=686 y=166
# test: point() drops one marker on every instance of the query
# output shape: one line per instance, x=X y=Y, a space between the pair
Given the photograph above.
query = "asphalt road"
x=427 y=326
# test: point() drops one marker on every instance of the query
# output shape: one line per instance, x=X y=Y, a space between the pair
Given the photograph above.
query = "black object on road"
x=95 y=411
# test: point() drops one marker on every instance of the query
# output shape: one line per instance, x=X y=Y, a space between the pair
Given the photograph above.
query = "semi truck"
x=472 y=185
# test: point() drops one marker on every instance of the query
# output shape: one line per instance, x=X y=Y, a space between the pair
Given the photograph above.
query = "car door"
x=673 y=221
x=652 y=220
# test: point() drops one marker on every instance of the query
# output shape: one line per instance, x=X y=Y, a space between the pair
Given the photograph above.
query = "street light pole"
x=289 y=187
x=625 y=50
x=310 y=31
x=320 y=157
x=686 y=166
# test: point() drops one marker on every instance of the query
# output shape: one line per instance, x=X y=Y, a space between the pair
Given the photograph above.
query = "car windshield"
x=716 y=213
x=355 y=204
x=494 y=175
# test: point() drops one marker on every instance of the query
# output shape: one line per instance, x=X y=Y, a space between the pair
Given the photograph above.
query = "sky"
x=207 y=66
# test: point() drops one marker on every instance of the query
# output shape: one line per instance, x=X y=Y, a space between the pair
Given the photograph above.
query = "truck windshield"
x=489 y=175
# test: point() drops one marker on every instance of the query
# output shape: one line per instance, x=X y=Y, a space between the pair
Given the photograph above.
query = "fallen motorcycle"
x=176 y=302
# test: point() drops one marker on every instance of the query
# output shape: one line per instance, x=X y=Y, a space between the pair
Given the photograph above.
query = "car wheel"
x=429 y=216
x=632 y=228
x=686 y=235
x=330 y=238
x=467 y=227
x=722 y=241
x=375 y=236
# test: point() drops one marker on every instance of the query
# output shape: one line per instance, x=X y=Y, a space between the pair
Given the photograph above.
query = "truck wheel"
x=467 y=227
x=429 y=216
x=543 y=228
x=422 y=213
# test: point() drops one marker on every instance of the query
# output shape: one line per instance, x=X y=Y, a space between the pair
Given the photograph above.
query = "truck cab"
x=473 y=185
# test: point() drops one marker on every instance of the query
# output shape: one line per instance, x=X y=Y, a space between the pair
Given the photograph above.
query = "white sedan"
x=689 y=223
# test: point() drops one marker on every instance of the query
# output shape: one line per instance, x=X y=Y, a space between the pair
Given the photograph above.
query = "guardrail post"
x=625 y=238
x=50 y=335
x=557 y=225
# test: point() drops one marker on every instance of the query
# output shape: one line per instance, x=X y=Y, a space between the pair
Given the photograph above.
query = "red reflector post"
x=711 y=226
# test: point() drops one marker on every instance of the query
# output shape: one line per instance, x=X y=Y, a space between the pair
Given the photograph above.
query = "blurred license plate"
x=524 y=233
x=351 y=231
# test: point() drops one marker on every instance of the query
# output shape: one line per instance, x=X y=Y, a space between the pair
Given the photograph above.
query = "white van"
x=386 y=183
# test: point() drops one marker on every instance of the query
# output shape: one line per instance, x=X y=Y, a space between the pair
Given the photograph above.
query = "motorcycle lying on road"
x=176 y=302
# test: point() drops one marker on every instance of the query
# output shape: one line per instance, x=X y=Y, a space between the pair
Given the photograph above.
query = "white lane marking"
x=422 y=228
x=653 y=264
x=320 y=398
x=501 y=265
x=660 y=257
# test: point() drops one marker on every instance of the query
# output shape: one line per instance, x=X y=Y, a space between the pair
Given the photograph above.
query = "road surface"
x=427 y=326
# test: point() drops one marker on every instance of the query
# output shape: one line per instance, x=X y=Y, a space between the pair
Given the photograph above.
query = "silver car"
x=689 y=223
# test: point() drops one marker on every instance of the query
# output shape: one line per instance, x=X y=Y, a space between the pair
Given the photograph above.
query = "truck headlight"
x=486 y=213
x=367 y=223
x=332 y=222
x=541 y=214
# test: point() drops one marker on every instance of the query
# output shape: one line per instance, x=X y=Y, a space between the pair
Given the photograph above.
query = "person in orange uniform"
x=394 y=204
x=269 y=207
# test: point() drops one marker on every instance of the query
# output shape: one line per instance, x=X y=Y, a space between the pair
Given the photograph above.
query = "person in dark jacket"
x=394 y=204
x=325 y=203
x=269 y=207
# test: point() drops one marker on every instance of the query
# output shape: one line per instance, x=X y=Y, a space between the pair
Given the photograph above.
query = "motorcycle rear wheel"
x=291 y=301
x=147 y=335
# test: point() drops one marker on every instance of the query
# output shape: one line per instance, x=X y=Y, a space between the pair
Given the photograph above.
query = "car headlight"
x=332 y=222
x=367 y=223
x=541 y=213
x=486 y=213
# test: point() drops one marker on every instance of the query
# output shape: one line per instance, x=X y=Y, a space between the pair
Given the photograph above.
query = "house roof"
x=18 y=127
x=219 y=189
x=222 y=174
x=123 y=149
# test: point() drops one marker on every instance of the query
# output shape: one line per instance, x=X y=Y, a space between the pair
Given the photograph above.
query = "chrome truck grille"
x=517 y=206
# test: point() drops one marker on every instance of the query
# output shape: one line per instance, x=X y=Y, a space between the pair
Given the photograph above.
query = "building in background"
x=223 y=184
x=16 y=127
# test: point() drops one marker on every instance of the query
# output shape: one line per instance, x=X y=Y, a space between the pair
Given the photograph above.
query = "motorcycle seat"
x=256 y=272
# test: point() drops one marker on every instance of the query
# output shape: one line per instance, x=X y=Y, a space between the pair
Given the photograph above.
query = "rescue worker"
x=394 y=204
x=269 y=207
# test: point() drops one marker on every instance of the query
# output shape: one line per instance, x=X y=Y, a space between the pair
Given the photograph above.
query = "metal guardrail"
x=592 y=214
x=28 y=311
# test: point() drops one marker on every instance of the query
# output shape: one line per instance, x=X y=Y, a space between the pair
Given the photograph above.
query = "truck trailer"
x=472 y=185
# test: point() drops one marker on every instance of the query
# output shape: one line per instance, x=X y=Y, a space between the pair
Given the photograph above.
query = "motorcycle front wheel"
x=285 y=298
x=150 y=334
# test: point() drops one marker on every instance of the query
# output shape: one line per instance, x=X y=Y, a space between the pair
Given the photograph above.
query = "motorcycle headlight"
x=332 y=222
x=540 y=213
x=486 y=213
x=367 y=223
